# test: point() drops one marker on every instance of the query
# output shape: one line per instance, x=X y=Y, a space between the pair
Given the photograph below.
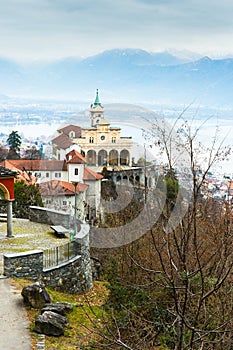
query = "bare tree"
x=172 y=287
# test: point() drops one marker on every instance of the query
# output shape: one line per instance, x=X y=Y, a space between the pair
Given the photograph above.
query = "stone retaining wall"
x=24 y=265
x=49 y=216
x=73 y=276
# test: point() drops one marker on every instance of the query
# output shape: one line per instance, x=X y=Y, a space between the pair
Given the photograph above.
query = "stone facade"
x=103 y=144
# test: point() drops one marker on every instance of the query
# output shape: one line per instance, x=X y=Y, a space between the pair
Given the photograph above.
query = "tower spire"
x=96 y=110
x=97 y=100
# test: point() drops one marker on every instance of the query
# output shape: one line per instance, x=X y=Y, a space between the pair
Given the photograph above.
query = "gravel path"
x=14 y=330
x=27 y=235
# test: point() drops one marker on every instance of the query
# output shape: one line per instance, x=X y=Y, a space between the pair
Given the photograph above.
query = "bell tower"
x=96 y=111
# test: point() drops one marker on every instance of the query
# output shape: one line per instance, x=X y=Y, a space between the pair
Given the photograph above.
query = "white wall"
x=71 y=172
x=48 y=175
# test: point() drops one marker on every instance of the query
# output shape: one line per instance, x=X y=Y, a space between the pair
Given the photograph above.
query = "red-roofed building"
x=73 y=131
x=64 y=141
x=41 y=170
x=75 y=157
x=61 y=188
x=90 y=175
x=22 y=174
x=60 y=195
x=101 y=144
x=57 y=178
x=79 y=172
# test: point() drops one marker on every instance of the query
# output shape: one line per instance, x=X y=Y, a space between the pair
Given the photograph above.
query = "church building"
x=101 y=144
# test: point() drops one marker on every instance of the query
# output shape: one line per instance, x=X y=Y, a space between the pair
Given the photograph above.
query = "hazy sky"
x=48 y=29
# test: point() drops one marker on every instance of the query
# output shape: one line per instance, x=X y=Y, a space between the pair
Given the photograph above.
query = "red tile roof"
x=36 y=165
x=68 y=128
x=62 y=141
x=21 y=174
x=59 y=188
x=76 y=157
x=91 y=175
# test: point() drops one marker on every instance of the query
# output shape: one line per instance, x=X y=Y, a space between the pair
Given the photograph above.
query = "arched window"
x=91 y=157
x=113 y=157
x=124 y=157
x=91 y=139
x=102 y=157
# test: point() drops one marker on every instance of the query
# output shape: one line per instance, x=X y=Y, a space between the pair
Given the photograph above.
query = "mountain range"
x=132 y=76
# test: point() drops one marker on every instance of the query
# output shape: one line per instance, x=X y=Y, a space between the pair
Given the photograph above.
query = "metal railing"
x=57 y=255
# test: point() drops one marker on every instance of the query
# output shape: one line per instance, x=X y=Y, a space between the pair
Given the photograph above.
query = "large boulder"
x=35 y=295
x=59 y=308
x=50 y=323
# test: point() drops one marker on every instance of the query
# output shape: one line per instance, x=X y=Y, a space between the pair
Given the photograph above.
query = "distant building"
x=64 y=141
x=37 y=171
x=100 y=144
x=56 y=180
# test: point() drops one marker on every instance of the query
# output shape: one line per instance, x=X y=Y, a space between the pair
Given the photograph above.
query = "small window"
x=57 y=174
x=114 y=139
x=91 y=139
x=47 y=174
x=64 y=202
x=102 y=138
x=76 y=171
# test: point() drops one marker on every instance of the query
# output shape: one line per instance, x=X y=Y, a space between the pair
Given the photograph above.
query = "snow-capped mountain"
x=125 y=75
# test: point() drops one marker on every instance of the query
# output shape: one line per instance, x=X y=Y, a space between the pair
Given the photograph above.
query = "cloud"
x=59 y=28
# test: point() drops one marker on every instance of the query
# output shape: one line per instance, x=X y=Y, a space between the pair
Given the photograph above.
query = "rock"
x=35 y=295
x=50 y=323
x=59 y=308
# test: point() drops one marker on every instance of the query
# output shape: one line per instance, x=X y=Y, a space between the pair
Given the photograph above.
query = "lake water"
x=133 y=127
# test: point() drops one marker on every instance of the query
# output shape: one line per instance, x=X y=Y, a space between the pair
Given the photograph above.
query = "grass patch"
x=28 y=235
x=86 y=318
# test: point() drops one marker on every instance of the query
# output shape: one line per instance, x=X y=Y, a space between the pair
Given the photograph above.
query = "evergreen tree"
x=14 y=141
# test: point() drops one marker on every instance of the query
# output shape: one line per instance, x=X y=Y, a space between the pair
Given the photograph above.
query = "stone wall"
x=49 y=216
x=73 y=276
x=82 y=248
x=24 y=265
x=68 y=277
